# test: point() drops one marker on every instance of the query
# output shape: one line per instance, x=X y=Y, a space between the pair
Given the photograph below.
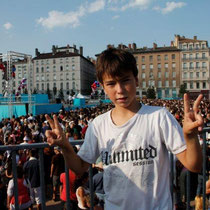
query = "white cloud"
x=115 y=17
x=170 y=6
x=140 y=4
x=7 y=25
x=72 y=18
x=96 y=6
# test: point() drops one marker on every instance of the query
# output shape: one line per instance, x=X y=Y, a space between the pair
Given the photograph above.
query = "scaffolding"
x=8 y=89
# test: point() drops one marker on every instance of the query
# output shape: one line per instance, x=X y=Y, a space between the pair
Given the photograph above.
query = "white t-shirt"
x=135 y=157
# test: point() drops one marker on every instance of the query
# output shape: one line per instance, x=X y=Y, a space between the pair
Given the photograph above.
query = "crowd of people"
x=31 y=129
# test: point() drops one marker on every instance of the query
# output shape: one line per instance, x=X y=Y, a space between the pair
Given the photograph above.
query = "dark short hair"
x=115 y=62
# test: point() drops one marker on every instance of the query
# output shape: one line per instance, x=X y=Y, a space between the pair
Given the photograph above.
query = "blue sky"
x=29 y=24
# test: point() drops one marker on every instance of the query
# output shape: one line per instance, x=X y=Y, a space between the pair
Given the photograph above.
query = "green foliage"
x=151 y=93
x=60 y=94
x=35 y=91
x=54 y=91
x=182 y=89
x=49 y=93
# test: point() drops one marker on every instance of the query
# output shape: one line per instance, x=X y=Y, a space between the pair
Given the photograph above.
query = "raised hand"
x=56 y=136
x=193 y=121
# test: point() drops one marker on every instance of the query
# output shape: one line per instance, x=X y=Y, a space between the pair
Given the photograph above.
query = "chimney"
x=195 y=37
x=81 y=50
x=154 y=46
x=109 y=46
x=172 y=44
x=134 y=46
x=129 y=46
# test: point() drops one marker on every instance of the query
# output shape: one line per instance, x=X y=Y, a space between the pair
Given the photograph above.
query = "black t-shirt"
x=59 y=164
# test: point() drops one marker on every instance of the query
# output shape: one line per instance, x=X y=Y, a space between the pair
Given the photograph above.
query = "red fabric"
x=72 y=178
x=23 y=195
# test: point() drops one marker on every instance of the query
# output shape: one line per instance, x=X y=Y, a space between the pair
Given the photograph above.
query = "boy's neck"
x=121 y=115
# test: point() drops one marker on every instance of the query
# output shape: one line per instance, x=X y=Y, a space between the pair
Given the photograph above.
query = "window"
x=143 y=76
x=47 y=61
x=159 y=84
x=174 y=83
x=150 y=58
x=159 y=74
x=42 y=77
x=42 y=86
x=47 y=68
x=48 y=86
x=143 y=58
x=67 y=60
x=73 y=67
x=37 y=86
x=61 y=60
x=204 y=74
x=67 y=76
x=203 y=55
x=151 y=66
x=197 y=85
x=61 y=68
x=159 y=66
x=37 y=69
x=61 y=77
x=143 y=84
x=191 y=65
x=173 y=65
x=197 y=65
x=166 y=65
x=173 y=56
x=73 y=85
x=37 y=77
x=54 y=61
x=166 y=74
x=203 y=64
x=197 y=46
x=204 y=85
x=54 y=84
x=19 y=76
x=37 y=62
x=190 y=46
x=73 y=76
x=197 y=74
x=191 y=75
x=54 y=68
x=54 y=76
x=42 y=69
x=190 y=56
x=191 y=85
x=203 y=46
x=47 y=77
x=166 y=83
x=61 y=85
x=166 y=57
x=184 y=66
x=42 y=62
x=173 y=74
x=184 y=56
x=185 y=75
x=67 y=86
x=67 y=67
x=158 y=58
x=197 y=55
x=143 y=66
x=72 y=60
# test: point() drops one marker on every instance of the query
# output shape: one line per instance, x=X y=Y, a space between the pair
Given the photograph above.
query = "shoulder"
x=101 y=118
x=153 y=110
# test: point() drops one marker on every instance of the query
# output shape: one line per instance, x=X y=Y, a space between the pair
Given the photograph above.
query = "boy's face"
x=121 y=90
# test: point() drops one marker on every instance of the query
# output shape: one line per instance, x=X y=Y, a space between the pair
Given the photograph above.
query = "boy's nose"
x=119 y=87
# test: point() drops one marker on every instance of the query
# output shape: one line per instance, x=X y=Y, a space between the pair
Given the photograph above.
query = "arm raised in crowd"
x=57 y=137
x=191 y=158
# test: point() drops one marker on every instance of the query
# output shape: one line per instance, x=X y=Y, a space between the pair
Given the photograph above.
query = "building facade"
x=195 y=65
x=65 y=69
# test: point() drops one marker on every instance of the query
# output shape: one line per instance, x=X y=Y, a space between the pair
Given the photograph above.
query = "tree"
x=151 y=93
x=35 y=91
x=25 y=91
x=49 y=93
x=60 y=94
x=182 y=90
x=54 y=91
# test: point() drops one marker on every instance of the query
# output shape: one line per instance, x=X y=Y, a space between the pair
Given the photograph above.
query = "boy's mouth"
x=121 y=99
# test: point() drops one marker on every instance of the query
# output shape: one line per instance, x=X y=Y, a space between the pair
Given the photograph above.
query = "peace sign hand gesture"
x=55 y=136
x=193 y=121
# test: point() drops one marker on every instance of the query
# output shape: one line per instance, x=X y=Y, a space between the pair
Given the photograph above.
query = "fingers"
x=50 y=121
x=197 y=103
x=57 y=124
x=186 y=103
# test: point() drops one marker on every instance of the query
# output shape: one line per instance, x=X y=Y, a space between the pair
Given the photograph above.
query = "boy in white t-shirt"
x=133 y=140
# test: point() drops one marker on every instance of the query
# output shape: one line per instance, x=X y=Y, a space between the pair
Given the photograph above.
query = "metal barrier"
x=41 y=146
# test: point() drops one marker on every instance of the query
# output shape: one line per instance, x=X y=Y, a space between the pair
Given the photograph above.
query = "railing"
x=41 y=146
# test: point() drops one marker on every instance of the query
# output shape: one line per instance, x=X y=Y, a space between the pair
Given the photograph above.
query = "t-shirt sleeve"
x=89 y=151
x=172 y=134
x=10 y=188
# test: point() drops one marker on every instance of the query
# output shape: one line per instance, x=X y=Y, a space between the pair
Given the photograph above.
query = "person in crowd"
x=31 y=170
x=133 y=139
x=57 y=167
x=24 y=190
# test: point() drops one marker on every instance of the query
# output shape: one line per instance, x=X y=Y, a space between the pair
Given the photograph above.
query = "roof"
x=187 y=40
